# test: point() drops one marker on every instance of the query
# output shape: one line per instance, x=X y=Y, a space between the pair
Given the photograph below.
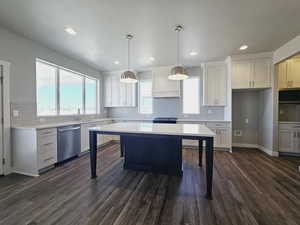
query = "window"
x=46 y=89
x=145 y=98
x=90 y=96
x=191 y=103
x=64 y=92
x=70 y=93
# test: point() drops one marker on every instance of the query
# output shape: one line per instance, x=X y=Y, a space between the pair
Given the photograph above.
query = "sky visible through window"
x=71 y=87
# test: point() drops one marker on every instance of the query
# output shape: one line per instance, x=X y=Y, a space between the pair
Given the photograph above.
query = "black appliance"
x=165 y=120
x=289 y=97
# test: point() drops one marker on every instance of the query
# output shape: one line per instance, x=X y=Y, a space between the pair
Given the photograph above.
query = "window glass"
x=145 y=98
x=46 y=89
x=90 y=96
x=70 y=93
x=191 y=101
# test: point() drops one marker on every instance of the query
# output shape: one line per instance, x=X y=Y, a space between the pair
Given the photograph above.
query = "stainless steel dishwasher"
x=68 y=142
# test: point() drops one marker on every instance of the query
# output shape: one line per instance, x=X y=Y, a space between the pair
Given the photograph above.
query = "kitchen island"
x=156 y=147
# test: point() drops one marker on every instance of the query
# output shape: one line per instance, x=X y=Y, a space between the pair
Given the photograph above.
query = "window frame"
x=57 y=91
x=199 y=100
x=139 y=96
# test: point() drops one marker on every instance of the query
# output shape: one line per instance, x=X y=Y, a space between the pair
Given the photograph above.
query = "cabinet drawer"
x=46 y=132
x=47 y=161
x=47 y=141
x=288 y=126
x=219 y=124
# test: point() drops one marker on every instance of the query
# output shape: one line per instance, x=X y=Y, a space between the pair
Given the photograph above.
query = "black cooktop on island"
x=165 y=120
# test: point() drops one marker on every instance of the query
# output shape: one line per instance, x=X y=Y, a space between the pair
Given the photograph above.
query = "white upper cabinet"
x=252 y=73
x=241 y=74
x=214 y=84
x=118 y=94
x=261 y=73
x=162 y=86
x=282 y=75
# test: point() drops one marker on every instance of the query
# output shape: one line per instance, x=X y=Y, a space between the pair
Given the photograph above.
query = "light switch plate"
x=209 y=111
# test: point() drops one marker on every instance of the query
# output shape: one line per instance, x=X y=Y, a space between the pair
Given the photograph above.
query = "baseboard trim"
x=262 y=148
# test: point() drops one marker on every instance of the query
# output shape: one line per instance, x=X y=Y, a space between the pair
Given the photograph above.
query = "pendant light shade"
x=128 y=76
x=178 y=72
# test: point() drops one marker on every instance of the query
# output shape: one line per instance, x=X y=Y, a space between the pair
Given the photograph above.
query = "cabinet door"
x=282 y=75
x=286 y=140
x=296 y=141
x=261 y=76
x=214 y=84
x=123 y=94
x=108 y=91
x=162 y=86
x=293 y=72
x=115 y=86
x=241 y=74
x=84 y=137
x=130 y=95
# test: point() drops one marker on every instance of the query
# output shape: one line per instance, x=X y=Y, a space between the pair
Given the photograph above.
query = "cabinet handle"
x=48 y=159
x=253 y=83
x=298 y=134
x=48 y=144
x=249 y=83
x=295 y=134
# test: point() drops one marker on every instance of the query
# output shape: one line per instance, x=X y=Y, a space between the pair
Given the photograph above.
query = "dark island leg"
x=200 y=152
x=121 y=147
x=209 y=166
x=93 y=153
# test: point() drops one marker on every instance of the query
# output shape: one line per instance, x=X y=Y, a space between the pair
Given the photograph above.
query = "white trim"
x=262 y=148
x=6 y=117
x=26 y=174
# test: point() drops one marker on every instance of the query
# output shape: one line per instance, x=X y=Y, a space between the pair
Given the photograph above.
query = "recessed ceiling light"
x=243 y=47
x=193 y=53
x=70 y=31
x=151 y=59
x=117 y=62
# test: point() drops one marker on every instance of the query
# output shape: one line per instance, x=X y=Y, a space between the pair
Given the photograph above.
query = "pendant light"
x=178 y=72
x=128 y=76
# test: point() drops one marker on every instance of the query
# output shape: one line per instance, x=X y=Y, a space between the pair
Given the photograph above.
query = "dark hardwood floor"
x=249 y=188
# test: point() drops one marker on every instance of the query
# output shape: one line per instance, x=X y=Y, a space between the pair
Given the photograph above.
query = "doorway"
x=5 y=152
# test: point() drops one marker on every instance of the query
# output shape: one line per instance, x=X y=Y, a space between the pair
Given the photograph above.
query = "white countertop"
x=157 y=128
x=178 y=120
x=60 y=124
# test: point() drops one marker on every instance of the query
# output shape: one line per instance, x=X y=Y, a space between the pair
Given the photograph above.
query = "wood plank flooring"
x=249 y=188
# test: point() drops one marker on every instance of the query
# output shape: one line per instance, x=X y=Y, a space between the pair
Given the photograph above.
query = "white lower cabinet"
x=101 y=139
x=222 y=138
x=289 y=138
x=33 y=150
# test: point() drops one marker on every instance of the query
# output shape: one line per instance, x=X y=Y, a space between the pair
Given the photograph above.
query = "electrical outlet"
x=237 y=133
x=15 y=113
x=209 y=111
x=246 y=120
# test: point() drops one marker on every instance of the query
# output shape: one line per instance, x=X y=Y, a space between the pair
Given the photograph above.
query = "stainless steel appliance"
x=68 y=142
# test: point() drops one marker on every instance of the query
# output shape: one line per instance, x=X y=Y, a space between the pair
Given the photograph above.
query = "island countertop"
x=156 y=128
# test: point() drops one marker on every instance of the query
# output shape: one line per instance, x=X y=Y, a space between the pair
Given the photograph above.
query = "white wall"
x=21 y=53
x=287 y=50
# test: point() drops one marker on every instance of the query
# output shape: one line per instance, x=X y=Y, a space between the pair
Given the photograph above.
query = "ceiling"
x=213 y=28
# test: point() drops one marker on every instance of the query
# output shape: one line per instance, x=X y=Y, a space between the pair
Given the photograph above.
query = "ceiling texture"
x=213 y=28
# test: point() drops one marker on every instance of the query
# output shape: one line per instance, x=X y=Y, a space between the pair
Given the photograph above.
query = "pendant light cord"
x=178 y=48
x=128 y=54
